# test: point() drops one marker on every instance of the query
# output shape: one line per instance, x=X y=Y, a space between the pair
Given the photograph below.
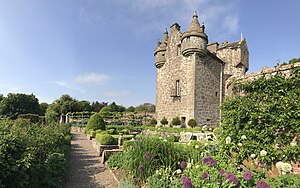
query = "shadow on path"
x=84 y=167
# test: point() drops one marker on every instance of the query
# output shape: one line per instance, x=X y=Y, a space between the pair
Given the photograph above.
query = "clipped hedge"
x=95 y=122
x=106 y=139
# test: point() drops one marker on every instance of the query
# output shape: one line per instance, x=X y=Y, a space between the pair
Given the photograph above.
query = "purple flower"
x=153 y=156
x=141 y=167
x=204 y=176
x=231 y=178
x=222 y=172
x=146 y=158
x=247 y=175
x=187 y=182
x=262 y=184
x=183 y=164
x=209 y=161
x=147 y=154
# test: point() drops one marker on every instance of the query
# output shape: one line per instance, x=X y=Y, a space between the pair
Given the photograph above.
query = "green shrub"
x=95 y=122
x=106 y=139
x=192 y=123
x=164 y=121
x=111 y=131
x=153 y=122
x=174 y=138
x=93 y=133
x=176 y=121
x=106 y=112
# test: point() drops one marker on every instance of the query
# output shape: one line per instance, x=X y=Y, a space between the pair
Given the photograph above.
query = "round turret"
x=160 y=51
x=194 y=40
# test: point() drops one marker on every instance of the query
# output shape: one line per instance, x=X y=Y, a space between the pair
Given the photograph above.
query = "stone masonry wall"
x=208 y=91
x=174 y=69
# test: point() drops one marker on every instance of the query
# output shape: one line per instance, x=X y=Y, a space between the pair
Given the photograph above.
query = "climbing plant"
x=266 y=118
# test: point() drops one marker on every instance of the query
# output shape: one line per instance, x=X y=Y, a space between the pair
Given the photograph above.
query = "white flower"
x=189 y=165
x=178 y=171
x=205 y=143
x=204 y=127
x=209 y=129
x=243 y=137
x=189 y=143
x=279 y=165
x=165 y=140
x=263 y=153
x=252 y=155
x=160 y=138
x=228 y=140
x=196 y=146
x=197 y=166
x=294 y=143
x=240 y=144
x=286 y=167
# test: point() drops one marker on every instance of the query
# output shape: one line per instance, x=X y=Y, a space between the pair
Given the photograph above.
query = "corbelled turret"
x=194 y=40
x=160 y=51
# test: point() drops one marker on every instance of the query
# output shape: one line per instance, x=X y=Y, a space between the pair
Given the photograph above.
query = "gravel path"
x=84 y=167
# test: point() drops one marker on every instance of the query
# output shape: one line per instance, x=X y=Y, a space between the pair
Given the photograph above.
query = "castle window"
x=177 y=88
x=188 y=39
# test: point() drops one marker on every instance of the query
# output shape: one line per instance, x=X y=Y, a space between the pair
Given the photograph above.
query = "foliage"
x=43 y=108
x=95 y=122
x=192 y=123
x=32 y=155
x=15 y=104
x=130 y=109
x=146 y=107
x=176 y=121
x=106 y=111
x=153 y=122
x=106 y=139
x=116 y=108
x=164 y=121
x=33 y=118
x=125 y=183
x=268 y=117
x=115 y=161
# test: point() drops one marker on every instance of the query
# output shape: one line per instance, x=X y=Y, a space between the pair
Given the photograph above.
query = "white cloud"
x=92 y=78
x=231 y=23
x=117 y=94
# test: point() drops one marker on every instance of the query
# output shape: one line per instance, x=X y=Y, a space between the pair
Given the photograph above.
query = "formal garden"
x=256 y=146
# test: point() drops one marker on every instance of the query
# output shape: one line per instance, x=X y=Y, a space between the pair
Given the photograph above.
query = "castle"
x=192 y=76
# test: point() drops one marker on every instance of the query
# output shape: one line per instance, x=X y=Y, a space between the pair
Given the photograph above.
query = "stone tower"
x=191 y=74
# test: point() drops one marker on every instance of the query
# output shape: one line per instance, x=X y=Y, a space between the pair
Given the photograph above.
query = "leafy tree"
x=164 y=121
x=146 y=107
x=105 y=111
x=116 y=108
x=15 y=104
x=95 y=122
x=130 y=109
x=63 y=105
x=96 y=106
x=1 y=97
x=176 y=121
x=83 y=106
x=192 y=123
x=43 y=108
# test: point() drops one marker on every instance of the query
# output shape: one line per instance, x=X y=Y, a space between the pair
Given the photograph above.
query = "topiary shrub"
x=153 y=121
x=95 y=122
x=93 y=133
x=164 y=121
x=192 y=123
x=106 y=111
x=176 y=121
x=106 y=139
x=112 y=131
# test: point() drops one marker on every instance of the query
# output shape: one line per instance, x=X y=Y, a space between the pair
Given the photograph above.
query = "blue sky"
x=103 y=49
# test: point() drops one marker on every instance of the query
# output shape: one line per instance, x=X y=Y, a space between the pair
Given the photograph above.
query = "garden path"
x=84 y=166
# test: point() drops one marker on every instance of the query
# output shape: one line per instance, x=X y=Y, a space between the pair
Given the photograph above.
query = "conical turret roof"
x=195 y=28
x=195 y=25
